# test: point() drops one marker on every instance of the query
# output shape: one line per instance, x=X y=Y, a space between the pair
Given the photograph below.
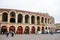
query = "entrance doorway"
x=38 y=28
x=33 y=30
x=3 y=30
x=20 y=30
x=12 y=29
x=42 y=29
x=26 y=30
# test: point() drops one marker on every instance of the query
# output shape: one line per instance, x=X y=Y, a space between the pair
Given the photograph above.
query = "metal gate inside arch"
x=12 y=29
x=3 y=30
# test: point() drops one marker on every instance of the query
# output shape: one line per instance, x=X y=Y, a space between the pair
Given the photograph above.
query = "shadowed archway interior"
x=12 y=29
x=26 y=30
x=20 y=30
x=4 y=29
x=33 y=30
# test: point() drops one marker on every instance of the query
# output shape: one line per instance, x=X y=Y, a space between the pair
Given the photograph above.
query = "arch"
x=42 y=20
x=33 y=30
x=26 y=18
x=45 y=20
x=12 y=29
x=38 y=28
x=20 y=30
x=48 y=21
x=4 y=29
x=4 y=17
x=12 y=14
x=26 y=30
x=33 y=19
x=38 y=20
x=20 y=18
x=42 y=29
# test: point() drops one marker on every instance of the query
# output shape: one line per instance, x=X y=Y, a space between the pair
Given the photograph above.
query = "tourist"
x=7 y=34
x=51 y=32
x=12 y=34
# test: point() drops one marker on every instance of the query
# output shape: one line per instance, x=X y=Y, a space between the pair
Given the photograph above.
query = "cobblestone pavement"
x=31 y=37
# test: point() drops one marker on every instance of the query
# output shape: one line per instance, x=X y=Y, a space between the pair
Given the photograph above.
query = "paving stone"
x=31 y=37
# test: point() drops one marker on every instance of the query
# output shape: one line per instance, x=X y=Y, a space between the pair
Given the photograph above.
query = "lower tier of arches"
x=19 y=30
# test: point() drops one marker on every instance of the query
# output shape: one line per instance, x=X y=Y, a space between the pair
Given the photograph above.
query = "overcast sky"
x=45 y=6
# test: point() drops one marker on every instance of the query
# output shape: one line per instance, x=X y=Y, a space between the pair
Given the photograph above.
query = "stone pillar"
x=35 y=28
x=0 y=21
x=23 y=19
x=44 y=24
x=40 y=20
x=0 y=27
x=16 y=28
x=44 y=21
x=8 y=21
x=35 y=19
x=8 y=17
x=23 y=28
x=8 y=29
x=0 y=17
x=30 y=19
x=16 y=18
x=47 y=20
x=40 y=25
x=30 y=29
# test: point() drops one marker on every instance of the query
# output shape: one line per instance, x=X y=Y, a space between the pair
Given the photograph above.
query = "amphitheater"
x=24 y=22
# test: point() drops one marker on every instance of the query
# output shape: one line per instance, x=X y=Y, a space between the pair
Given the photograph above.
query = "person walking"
x=51 y=32
x=12 y=34
x=7 y=34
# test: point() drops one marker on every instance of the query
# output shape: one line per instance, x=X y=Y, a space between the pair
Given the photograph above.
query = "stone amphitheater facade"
x=22 y=21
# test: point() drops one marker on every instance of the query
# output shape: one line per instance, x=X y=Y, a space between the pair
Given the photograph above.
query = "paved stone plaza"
x=31 y=37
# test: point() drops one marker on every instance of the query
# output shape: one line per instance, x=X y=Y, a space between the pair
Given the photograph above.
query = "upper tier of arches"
x=21 y=17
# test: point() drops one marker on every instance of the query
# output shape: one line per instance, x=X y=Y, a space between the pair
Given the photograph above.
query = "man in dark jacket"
x=7 y=34
x=12 y=34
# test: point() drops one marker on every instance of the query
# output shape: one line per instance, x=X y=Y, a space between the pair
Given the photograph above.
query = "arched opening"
x=42 y=20
x=4 y=17
x=33 y=30
x=12 y=20
x=33 y=19
x=46 y=28
x=20 y=18
x=38 y=20
x=38 y=28
x=12 y=29
x=45 y=20
x=48 y=21
x=42 y=29
x=4 y=30
x=26 y=18
x=26 y=30
x=13 y=16
x=20 y=30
